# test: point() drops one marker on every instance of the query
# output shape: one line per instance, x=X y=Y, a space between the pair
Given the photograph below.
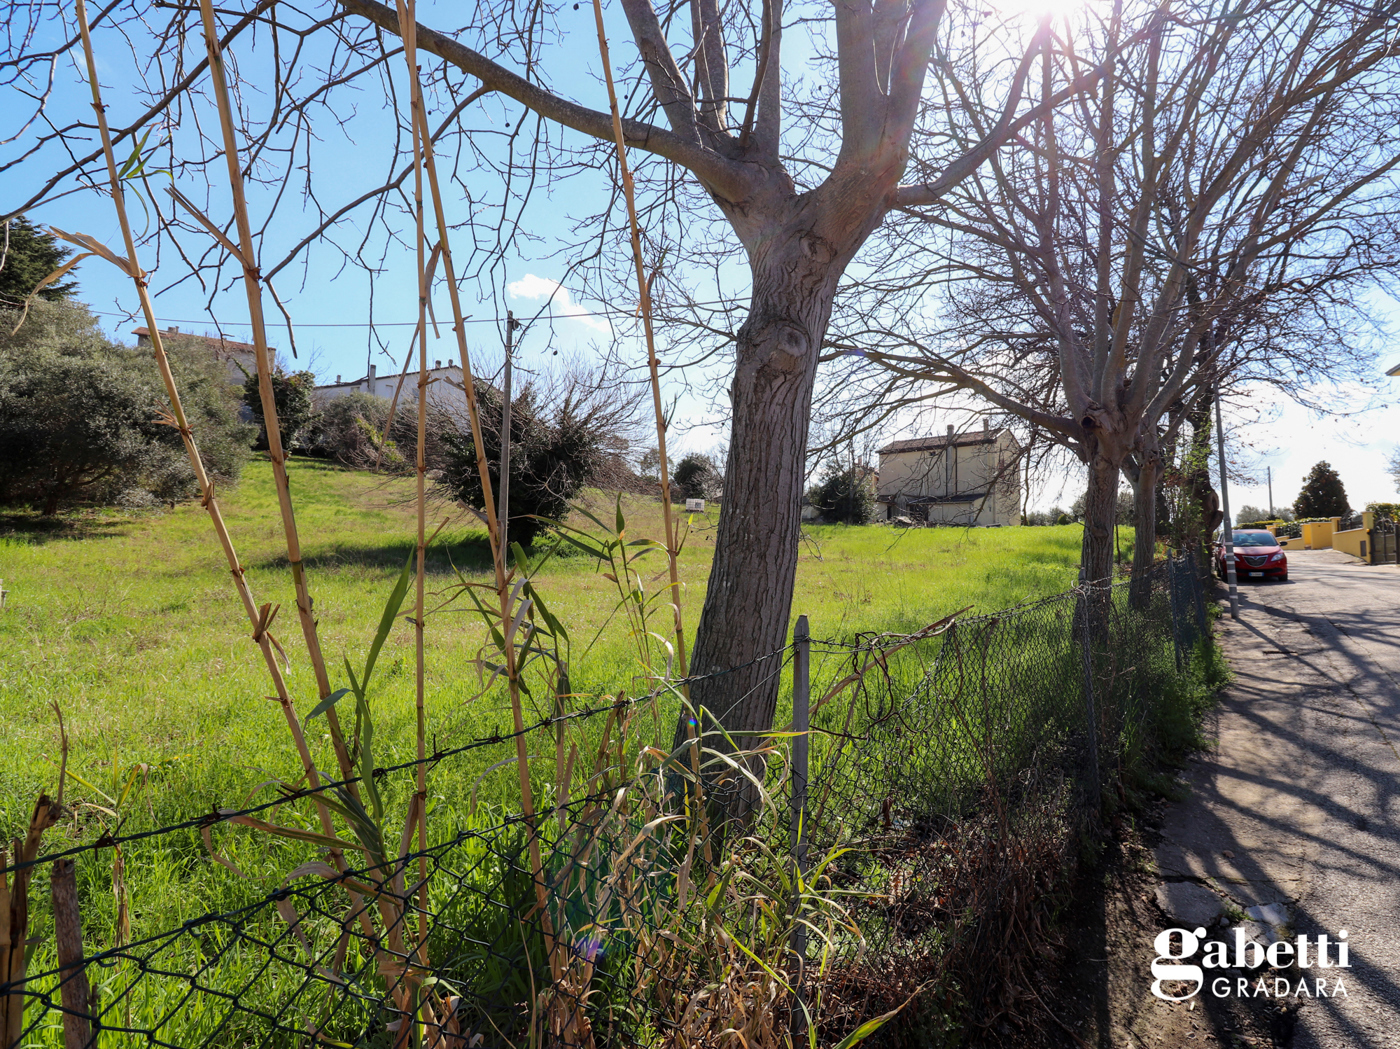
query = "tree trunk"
x=749 y=601
x=1100 y=512
x=1208 y=514
x=798 y=245
x=1145 y=485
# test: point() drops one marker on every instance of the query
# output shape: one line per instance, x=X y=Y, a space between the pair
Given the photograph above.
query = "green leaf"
x=89 y=786
x=621 y=521
x=354 y=683
x=130 y=782
x=371 y=788
x=868 y=1028
x=386 y=621
x=134 y=163
x=330 y=701
x=556 y=627
x=597 y=521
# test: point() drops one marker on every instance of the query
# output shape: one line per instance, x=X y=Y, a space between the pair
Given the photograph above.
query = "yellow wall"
x=1351 y=542
x=1317 y=535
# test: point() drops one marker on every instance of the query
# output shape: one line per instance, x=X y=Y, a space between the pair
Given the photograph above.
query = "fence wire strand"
x=949 y=789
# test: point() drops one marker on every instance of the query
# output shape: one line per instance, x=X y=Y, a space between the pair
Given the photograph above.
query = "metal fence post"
x=801 y=724
x=1227 y=526
x=1091 y=715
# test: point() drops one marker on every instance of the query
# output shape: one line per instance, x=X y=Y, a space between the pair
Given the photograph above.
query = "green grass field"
x=129 y=623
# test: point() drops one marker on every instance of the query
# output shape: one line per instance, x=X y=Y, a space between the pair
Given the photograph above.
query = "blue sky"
x=331 y=303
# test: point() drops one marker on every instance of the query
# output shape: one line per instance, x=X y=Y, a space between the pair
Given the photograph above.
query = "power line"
x=606 y=311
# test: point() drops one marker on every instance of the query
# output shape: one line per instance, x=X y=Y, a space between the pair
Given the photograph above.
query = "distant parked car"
x=1257 y=556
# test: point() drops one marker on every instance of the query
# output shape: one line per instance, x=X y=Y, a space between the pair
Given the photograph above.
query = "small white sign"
x=695 y=506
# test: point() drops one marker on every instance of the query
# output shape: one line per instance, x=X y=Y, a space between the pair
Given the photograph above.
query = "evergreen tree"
x=31 y=256
x=845 y=496
x=292 y=396
x=1323 y=494
x=79 y=416
x=696 y=476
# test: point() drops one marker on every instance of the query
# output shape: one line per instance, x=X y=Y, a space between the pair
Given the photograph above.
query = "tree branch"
x=722 y=176
x=1007 y=127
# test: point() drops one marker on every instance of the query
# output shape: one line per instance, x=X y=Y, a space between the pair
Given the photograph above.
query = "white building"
x=444 y=390
x=969 y=479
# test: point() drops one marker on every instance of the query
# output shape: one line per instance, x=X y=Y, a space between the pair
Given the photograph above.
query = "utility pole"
x=504 y=485
x=1269 y=471
x=1227 y=527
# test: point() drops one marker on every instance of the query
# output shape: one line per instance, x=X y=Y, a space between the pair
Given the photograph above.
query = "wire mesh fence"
x=952 y=781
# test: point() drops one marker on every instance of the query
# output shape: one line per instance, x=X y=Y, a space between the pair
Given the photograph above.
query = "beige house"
x=240 y=358
x=968 y=479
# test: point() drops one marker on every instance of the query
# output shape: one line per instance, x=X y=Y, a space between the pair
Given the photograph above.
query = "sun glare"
x=1034 y=10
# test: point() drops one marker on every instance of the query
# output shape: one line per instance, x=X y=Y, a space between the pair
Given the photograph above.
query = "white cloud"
x=536 y=288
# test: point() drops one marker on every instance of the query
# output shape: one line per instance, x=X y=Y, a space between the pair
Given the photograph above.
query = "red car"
x=1257 y=556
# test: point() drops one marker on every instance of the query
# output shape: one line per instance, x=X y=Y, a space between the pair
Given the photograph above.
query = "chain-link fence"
x=952 y=781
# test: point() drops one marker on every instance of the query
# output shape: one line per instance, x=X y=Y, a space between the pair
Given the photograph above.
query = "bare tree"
x=801 y=200
x=1102 y=280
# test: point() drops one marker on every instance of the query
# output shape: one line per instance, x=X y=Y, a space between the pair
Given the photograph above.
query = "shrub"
x=292 y=396
x=696 y=476
x=1123 y=512
x=79 y=416
x=1390 y=510
x=350 y=430
x=1043 y=518
x=845 y=496
x=562 y=436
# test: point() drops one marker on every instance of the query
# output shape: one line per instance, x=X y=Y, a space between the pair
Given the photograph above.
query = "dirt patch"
x=1096 y=986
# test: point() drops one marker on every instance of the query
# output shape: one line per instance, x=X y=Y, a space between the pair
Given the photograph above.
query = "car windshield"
x=1255 y=539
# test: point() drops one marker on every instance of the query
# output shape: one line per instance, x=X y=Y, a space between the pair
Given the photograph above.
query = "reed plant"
x=629 y=919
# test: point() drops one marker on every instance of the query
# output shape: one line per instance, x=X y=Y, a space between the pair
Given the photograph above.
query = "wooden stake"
x=68 y=934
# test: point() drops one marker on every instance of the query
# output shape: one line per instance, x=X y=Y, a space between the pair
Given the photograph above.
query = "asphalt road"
x=1299 y=801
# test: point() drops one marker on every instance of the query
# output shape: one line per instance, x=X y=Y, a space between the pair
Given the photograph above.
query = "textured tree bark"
x=748 y=604
x=1145 y=487
x=1100 y=509
x=1207 y=501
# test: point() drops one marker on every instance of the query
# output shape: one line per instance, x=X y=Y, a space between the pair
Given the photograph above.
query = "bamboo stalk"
x=403 y=372
x=252 y=281
x=421 y=470
x=653 y=367
x=408 y=34
x=259 y=618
